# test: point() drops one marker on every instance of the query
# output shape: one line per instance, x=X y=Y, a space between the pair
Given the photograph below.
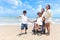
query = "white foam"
x=9 y=24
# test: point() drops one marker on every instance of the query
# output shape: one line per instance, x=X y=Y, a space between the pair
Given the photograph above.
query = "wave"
x=16 y=20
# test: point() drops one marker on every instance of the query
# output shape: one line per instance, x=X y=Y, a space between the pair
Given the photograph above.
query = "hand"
x=19 y=17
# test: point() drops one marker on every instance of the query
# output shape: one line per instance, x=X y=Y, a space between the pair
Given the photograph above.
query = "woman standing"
x=43 y=30
x=48 y=17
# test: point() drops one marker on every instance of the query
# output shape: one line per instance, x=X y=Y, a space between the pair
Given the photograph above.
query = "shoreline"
x=20 y=23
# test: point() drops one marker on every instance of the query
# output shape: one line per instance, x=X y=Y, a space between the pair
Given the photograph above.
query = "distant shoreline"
x=14 y=20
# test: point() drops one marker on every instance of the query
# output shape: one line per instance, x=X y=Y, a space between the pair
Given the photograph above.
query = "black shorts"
x=24 y=26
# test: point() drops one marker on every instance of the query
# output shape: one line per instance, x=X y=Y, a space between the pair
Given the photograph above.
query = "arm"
x=43 y=18
x=19 y=17
x=30 y=21
x=35 y=19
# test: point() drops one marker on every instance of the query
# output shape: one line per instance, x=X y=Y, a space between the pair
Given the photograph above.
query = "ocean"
x=12 y=20
x=56 y=20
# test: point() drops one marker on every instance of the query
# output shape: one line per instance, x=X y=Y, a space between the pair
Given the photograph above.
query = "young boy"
x=24 y=22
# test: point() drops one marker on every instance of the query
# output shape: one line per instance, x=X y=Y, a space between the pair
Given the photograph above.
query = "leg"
x=22 y=27
x=48 y=28
x=26 y=28
x=40 y=30
x=36 y=26
x=43 y=29
x=36 y=29
x=25 y=31
x=33 y=28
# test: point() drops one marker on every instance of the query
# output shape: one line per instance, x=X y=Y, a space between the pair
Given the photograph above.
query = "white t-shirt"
x=39 y=21
x=24 y=19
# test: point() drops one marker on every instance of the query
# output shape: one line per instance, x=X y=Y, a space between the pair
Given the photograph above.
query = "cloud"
x=40 y=1
x=49 y=4
x=57 y=5
x=12 y=2
x=20 y=3
x=26 y=5
x=56 y=9
x=39 y=8
x=16 y=3
x=1 y=8
x=6 y=11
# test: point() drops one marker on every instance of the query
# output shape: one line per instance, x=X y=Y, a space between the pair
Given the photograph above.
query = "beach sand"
x=10 y=32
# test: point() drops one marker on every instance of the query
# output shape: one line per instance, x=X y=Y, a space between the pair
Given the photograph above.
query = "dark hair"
x=38 y=13
x=43 y=9
x=49 y=6
x=24 y=11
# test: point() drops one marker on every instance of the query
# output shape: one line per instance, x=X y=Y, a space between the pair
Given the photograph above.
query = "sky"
x=14 y=8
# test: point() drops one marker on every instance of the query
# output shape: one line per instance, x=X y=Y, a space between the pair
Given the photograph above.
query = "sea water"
x=10 y=20
x=56 y=20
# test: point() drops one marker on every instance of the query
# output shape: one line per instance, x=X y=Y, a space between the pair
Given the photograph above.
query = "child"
x=24 y=22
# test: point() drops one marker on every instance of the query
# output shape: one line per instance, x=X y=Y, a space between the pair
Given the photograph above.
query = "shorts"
x=24 y=26
x=48 y=21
